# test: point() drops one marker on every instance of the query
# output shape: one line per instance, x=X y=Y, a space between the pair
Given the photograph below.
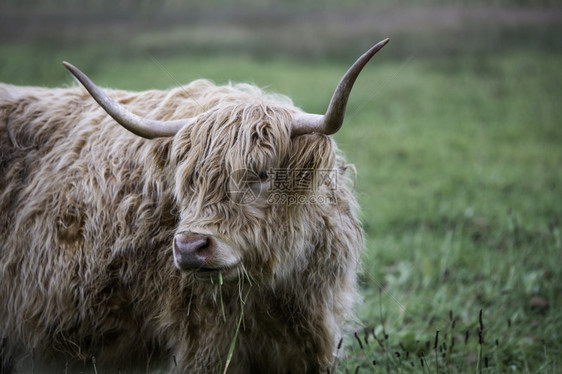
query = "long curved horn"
x=331 y=122
x=144 y=127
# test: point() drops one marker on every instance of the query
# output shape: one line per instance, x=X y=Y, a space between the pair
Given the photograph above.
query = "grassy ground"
x=462 y=196
x=459 y=180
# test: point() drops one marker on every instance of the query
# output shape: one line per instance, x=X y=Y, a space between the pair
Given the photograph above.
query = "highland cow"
x=136 y=242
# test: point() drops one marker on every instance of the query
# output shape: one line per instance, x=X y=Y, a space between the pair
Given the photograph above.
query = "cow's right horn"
x=330 y=123
x=147 y=128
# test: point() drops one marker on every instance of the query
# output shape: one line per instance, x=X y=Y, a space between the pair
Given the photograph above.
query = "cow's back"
x=72 y=185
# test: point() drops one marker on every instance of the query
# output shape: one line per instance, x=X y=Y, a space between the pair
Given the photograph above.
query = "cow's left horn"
x=147 y=128
x=330 y=123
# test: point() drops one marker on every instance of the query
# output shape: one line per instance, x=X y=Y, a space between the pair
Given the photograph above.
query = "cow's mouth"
x=217 y=273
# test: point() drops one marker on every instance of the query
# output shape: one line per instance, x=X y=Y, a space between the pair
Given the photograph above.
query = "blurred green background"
x=455 y=128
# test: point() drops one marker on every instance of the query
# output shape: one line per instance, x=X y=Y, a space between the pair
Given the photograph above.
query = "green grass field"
x=459 y=177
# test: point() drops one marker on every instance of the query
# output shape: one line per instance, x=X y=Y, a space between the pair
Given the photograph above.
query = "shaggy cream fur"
x=88 y=212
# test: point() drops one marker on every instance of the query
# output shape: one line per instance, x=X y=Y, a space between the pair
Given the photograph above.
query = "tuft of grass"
x=243 y=300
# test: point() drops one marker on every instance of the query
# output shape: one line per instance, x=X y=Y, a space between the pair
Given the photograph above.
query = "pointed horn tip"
x=379 y=45
x=68 y=65
x=73 y=69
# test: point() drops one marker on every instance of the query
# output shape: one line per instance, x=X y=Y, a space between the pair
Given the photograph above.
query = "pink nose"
x=192 y=250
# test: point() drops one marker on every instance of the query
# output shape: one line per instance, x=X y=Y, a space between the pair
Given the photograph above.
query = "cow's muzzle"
x=193 y=251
